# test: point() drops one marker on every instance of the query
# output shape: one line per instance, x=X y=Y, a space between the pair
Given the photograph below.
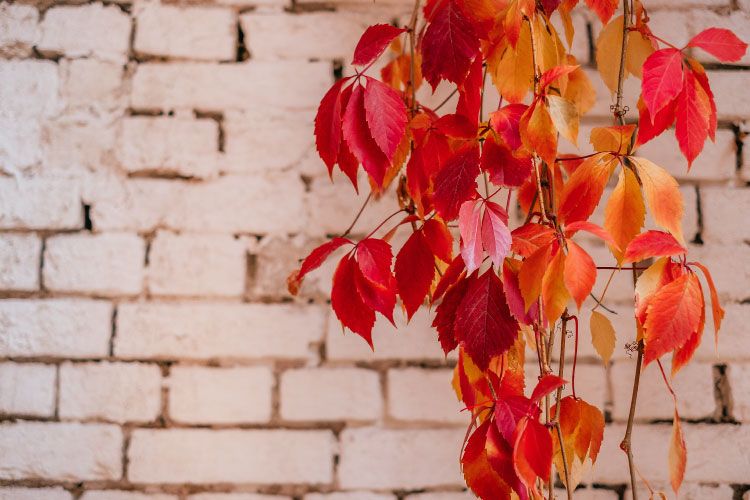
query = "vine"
x=506 y=291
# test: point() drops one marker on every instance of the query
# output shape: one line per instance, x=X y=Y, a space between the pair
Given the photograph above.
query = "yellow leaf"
x=677 y=454
x=513 y=73
x=639 y=48
x=624 y=213
x=548 y=49
x=538 y=132
x=662 y=193
x=565 y=117
x=554 y=293
x=579 y=90
x=615 y=138
x=609 y=52
x=602 y=335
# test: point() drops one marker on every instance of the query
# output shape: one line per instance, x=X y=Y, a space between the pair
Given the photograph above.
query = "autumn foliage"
x=498 y=293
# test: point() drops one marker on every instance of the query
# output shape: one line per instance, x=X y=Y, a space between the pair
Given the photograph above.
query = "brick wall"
x=159 y=182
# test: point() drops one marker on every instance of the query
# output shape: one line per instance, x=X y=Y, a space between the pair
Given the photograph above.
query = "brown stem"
x=412 y=45
x=356 y=217
x=619 y=111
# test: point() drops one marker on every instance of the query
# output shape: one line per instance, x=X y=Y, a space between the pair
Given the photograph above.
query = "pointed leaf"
x=720 y=43
x=603 y=335
x=532 y=451
x=347 y=303
x=386 y=116
x=554 y=293
x=313 y=261
x=469 y=225
x=439 y=238
x=373 y=43
x=546 y=385
x=456 y=182
x=328 y=125
x=677 y=454
x=603 y=8
x=662 y=79
x=584 y=189
x=692 y=113
x=360 y=141
x=414 y=271
x=496 y=237
x=579 y=274
x=625 y=212
x=653 y=244
x=449 y=45
x=662 y=193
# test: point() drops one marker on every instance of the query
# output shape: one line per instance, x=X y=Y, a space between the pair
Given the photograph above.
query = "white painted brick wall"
x=236 y=395
x=188 y=33
x=105 y=264
x=316 y=394
x=117 y=392
x=159 y=181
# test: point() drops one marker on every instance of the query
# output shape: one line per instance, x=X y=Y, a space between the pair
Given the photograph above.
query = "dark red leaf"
x=470 y=94
x=373 y=43
x=320 y=254
x=652 y=126
x=439 y=239
x=374 y=258
x=505 y=121
x=445 y=315
x=546 y=385
x=456 y=182
x=328 y=125
x=347 y=303
x=483 y=321
x=504 y=168
x=450 y=276
x=449 y=45
x=415 y=270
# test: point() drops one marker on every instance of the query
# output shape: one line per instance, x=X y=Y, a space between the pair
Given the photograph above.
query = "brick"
x=399 y=459
x=211 y=87
x=169 y=146
x=349 y=495
x=199 y=33
x=148 y=204
x=739 y=374
x=694 y=386
x=681 y=4
x=20 y=143
x=107 y=264
x=192 y=265
x=235 y=496
x=327 y=35
x=591 y=382
x=19 y=29
x=19 y=261
x=717 y=161
x=452 y=495
x=60 y=451
x=415 y=341
x=27 y=389
x=28 y=89
x=604 y=98
x=40 y=204
x=689 y=491
x=731 y=346
x=93 y=85
x=86 y=30
x=330 y=394
x=55 y=327
x=266 y=139
x=650 y=444
x=729 y=265
x=220 y=395
x=117 y=392
x=74 y=147
x=672 y=25
x=124 y=495
x=207 y=330
x=276 y=256
x=423 y=395
x=197 y=456
x=34 y=494
x=720 y=207
x=725 y=86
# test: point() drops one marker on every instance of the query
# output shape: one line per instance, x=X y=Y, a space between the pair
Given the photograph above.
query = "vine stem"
x=558 y=396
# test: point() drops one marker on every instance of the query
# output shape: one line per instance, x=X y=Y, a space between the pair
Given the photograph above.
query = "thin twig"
x=356 y=217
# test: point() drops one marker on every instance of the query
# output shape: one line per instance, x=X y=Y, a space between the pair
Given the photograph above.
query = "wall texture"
x=159 y=182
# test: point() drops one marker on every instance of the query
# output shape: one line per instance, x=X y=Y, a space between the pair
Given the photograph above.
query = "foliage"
x=507 y=289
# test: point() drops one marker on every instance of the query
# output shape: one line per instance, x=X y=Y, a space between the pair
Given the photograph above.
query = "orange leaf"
x=673 y=315
x=580 y=273
x=716 y=309
x=677 y=454
x=615 y=139
x=625 y=212
x=532 y=451
x=554 y=293
x=663 y=196
x=652 y=244
x=603 y=335
x=584 y=189
x=531 y=273
x=538 y=132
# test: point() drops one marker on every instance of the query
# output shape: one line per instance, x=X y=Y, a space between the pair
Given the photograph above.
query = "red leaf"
x=532 y=452
x=584 y=189
x=579 y=273
x=720 y=43
x=347 y=303
x=651 y=126
x=528 y=238
x=374 y=258
x=509 y=410
x=470 y=93
x=445 y=315
x=603 y=8
x=546 y=385
x=483 y=321
x=380 y=299
x=450 y=276
x=515 y=299
x=504 y=168
x=373 y=43
x=589 y=227
x=677 y=454
x=360 y=141
x=386 y=116
x=662 y=79
x=505 y=121
x=456 y=182
x=553 y=74
x=313 y=261
x=439 y=238
x=673 y=315
x=716 y=309
x=496 y=237
x=692 y=115
x=415 y=270
x=488 y=231
x=469 y=224
x=449 y=45
x=328 y=125
x=652 y=244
